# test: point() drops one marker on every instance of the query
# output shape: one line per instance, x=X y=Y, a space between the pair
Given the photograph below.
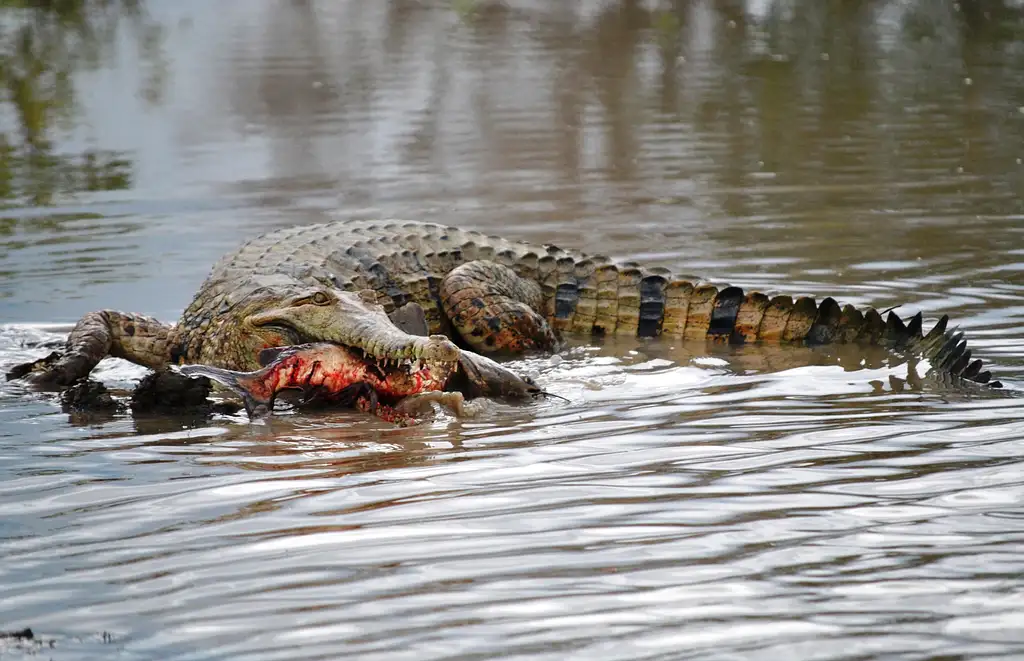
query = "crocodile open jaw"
x=333 y=373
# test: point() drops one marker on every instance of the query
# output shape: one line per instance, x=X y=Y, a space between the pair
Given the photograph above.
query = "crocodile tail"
x=239 y=383
x=649 y=303
x=946 y=349
x=593 y=294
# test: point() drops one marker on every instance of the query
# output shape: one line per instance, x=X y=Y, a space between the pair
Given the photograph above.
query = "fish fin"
x=255 y=407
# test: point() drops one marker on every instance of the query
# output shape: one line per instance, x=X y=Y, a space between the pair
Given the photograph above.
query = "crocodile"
x=344 y=282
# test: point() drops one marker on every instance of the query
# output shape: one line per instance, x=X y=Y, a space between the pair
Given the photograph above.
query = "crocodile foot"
x=43 y=372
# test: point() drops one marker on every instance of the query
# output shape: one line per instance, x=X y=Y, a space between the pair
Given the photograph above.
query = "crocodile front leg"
x=494 y=310
x=135 y=337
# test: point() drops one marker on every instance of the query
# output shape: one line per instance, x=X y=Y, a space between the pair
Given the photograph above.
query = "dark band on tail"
x=723 y=315
x=652 y=306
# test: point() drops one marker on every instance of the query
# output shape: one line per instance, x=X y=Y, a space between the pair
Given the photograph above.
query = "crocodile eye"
x=320 y=298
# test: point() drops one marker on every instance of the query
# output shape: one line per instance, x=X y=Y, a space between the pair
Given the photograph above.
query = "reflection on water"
x=688 y=502
x=42 y=46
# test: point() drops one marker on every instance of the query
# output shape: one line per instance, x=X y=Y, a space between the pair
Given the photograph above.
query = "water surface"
x=688 y=502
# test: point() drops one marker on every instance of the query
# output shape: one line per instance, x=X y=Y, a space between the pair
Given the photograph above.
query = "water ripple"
x=688 y=501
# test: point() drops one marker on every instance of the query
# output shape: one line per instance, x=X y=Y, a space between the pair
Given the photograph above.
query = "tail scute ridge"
x=895 y=331
x=972 y=370
x=947 y=350
x=935 y=337
x=733 y=316
x=915 y=325
x=961 y=363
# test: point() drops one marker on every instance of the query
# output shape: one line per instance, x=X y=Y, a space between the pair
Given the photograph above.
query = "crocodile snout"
x=438 y=349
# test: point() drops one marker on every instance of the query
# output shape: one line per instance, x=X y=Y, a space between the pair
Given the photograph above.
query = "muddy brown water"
x=687 y=503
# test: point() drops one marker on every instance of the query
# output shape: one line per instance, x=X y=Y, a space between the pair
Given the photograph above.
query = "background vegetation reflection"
x=43 y=43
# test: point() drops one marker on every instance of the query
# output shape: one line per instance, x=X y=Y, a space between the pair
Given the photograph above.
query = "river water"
x=687 y=502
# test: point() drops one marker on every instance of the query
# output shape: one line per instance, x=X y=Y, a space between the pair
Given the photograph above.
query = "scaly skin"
x=336 y=282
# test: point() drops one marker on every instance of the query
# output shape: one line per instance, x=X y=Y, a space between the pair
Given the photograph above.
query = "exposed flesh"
x=330 y=372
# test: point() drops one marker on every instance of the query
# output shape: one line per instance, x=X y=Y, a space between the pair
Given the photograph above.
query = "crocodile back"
x=402 y=261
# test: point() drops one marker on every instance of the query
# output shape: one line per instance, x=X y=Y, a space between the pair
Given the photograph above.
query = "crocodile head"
x=284 y=313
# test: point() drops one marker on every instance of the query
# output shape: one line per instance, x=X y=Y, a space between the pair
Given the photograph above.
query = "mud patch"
x=166 y=392
x=88 y=396
x=159 y=393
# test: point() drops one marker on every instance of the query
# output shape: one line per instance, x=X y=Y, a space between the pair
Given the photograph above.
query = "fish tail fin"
x=239 y=383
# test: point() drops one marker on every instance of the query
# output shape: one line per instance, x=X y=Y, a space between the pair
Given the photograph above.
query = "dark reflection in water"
x=688 y=502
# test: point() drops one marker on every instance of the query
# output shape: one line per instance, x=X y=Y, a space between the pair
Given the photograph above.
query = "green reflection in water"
x=43 y=43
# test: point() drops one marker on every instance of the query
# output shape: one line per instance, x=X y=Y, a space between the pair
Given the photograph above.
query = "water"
x=687 y=503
